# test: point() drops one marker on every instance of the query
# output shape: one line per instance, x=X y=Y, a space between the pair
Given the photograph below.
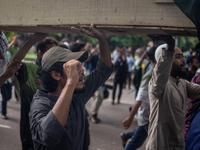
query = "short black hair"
x=190 y=59
x=48 y=82
x=76 y=46
x=42 y=45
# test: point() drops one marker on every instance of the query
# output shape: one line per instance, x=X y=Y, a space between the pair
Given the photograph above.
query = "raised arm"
x=21 y=53
x=72 y=70
x=166 y=38
x=163 y=67
x=14 y=41
x=105 y=56
x=144 y=55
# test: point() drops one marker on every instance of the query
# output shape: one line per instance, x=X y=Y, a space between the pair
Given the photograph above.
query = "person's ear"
x=40 y=54
x=55 y=75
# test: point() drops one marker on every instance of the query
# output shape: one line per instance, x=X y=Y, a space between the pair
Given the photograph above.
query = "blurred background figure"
x=150 y=45
x=6 y=88
x=142 y=106
x=88 y=48
x=140 y=66
x=121 y=70
x=115 y=54
x=193 y=66
x=13 y=47
x=130 y=63
x=192 y=127
x=189 y=54
x=65 y=41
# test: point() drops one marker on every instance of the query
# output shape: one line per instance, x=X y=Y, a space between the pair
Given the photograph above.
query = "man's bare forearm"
x=134 y=109
x=62 y=106
x=21 y=53
x=105 y=52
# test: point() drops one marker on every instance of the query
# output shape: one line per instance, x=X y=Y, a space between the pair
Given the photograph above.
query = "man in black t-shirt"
x=192 y=67
x=121 y=70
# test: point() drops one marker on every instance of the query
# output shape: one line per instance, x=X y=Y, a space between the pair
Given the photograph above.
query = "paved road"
x=104 y=136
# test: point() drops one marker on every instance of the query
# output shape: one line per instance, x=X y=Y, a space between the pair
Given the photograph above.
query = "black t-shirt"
x=189 y=76
x=121 y=70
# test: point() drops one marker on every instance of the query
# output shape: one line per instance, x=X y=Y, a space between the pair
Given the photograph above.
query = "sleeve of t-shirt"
x=143 y=90
x=142 y=95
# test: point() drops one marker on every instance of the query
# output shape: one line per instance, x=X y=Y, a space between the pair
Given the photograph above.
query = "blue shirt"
x=93 y=62
x=130 y=62
x=115 y=56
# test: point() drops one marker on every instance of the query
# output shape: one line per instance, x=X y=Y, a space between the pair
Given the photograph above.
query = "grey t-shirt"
x=47 y=132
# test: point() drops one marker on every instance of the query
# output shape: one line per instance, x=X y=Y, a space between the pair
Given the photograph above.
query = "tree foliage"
x=135 y=41
x=9 y=35
x=186 y=42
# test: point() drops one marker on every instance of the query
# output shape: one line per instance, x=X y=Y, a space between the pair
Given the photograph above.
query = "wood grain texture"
x=113 y=16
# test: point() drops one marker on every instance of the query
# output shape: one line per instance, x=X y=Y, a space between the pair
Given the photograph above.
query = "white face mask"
x=2 y=63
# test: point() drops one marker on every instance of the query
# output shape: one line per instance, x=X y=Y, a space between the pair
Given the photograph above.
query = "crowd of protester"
x=66 y=74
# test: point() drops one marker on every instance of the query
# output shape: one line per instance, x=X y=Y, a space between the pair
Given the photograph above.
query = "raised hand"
x=103 y=44
x=11 y=68
x=72 y=71
x=15 y=39
x=166 y=38
x=91 y=32
x=157 y=37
